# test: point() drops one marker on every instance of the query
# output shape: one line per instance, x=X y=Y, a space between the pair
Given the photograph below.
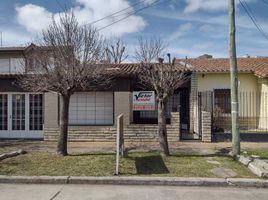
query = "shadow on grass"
x=90 y=154
x=224 y=151
x=152 y=164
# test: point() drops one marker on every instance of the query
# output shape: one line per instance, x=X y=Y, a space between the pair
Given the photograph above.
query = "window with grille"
x=36 y=112
x=222 y=100
x=18 y=112
x=91 y=108
x=3 y=112
x=171 y=106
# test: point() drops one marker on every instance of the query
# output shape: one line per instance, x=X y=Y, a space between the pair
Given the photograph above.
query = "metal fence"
x=253 y=110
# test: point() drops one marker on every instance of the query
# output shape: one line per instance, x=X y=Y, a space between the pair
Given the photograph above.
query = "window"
x=91 y=108
x=18 y=112
x=4 y=65
x=222 y=100
x=17 y=65
x=36 y=112
x=171 y=106
x=12 y=65
x=3 y=112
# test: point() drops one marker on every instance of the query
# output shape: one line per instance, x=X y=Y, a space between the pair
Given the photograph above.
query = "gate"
x=253 y=111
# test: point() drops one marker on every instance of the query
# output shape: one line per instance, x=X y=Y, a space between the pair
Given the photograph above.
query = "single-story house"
x=92 y=115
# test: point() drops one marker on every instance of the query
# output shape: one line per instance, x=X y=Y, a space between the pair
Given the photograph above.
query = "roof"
x=18 y=48
x=12 y=48
x=128 y=69
x=258 y=66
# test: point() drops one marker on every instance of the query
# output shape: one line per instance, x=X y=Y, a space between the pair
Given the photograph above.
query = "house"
x=92 y=114
x=210 y=89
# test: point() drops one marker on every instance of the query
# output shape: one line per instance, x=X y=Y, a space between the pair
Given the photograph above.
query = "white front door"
x=21 y=115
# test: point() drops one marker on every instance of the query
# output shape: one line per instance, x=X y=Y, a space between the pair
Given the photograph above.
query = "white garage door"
x=91 y=108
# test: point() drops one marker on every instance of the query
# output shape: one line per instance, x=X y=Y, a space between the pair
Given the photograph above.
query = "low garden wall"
x=132 y=132
x=245 y=137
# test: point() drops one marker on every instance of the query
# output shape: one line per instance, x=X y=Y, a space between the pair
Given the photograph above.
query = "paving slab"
x=214 y=162
x=223 y=172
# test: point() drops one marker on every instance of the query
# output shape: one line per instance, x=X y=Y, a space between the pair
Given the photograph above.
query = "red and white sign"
x=143 y=100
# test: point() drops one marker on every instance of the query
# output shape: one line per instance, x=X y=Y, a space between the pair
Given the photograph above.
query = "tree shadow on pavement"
x=152 y=164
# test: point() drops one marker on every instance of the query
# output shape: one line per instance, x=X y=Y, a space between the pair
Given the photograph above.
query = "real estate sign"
x=143 y=100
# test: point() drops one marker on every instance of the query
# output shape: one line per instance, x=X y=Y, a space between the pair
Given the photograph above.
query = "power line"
x=61 y=6
x=134 y=12
x=156 y=2
x=127 y=8
x=252 y=17
x=264 y=1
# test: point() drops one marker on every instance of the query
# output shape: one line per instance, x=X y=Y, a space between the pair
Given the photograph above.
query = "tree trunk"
x=162 y=128
x=234 y=81
x=64 y=118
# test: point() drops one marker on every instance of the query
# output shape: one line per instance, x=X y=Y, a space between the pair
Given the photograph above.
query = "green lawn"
x=263 y=153
x=142 y=164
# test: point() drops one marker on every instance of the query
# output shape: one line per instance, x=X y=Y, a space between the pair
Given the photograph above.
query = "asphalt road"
x=112 y=192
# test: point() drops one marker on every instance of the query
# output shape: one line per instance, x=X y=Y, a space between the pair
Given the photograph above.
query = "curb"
x=111 y=180
x=255 y=165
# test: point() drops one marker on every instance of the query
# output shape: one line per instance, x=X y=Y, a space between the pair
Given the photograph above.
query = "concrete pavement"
x=184 y=147
x=113 y=192
x=136 y=180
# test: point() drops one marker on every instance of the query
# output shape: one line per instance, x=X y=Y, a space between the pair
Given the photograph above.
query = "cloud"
x=207 y=5
x=181 y=31
x=207 y=28
x=182 y=52
x=12 y=36
x=34 y=18
x=202 y=46
x=147 y=2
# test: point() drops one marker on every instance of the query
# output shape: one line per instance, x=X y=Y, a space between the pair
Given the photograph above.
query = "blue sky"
x=190 y=27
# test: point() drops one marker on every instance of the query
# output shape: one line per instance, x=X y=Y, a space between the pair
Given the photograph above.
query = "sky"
x=188 y=27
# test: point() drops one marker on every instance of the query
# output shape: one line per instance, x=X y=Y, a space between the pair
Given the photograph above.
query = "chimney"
x=161 y=60
x=169 y=59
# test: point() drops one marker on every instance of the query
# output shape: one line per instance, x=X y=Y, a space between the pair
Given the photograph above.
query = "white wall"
x=209 y=82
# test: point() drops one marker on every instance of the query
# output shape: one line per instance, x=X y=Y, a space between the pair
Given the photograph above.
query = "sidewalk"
x=184 y=147
x=123 y=192
x=117 y=180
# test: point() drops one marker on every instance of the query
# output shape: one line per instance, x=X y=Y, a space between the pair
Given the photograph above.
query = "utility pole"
x=1 y=37
x=234 y=81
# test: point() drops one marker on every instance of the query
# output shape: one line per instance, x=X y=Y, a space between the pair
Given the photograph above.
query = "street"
x=96 y=192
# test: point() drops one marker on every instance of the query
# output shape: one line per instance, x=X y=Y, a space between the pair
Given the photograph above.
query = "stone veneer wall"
x=206 y=126
x=132 y=132
x=194 y=126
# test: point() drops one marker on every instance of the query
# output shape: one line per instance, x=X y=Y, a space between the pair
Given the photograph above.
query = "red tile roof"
x=128 y=69
x=258 y=66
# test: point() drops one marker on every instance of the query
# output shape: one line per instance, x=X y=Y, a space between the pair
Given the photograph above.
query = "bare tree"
x=163 y=78
x=65 y=61
x=115 y=51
